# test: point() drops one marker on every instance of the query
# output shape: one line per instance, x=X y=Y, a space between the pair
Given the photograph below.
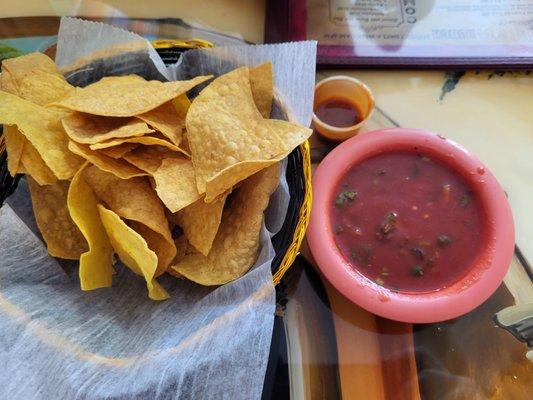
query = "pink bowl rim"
x=482 y=279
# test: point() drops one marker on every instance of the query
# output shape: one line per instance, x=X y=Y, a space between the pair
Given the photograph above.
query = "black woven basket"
x=287 y=241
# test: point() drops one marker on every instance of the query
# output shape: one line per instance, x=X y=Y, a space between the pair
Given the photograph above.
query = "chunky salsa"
x=407 y=221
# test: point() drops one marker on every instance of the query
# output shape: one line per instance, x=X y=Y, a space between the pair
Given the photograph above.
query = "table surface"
x=333 y=349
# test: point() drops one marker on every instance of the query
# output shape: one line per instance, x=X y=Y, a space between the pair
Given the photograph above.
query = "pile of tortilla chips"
x=133 y=168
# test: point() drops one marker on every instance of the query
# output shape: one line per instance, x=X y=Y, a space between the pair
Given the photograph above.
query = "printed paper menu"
x=408 y=28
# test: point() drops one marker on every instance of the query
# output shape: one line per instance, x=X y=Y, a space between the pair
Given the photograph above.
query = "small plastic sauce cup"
x=353 y=91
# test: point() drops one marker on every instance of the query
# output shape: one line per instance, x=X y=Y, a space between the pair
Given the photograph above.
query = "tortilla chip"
x=200 y=222
x=160 y=245
x=89 y=129
x=14 y=147
x=132 y=251
x=149 y=158
x=62 y=236
x=7 y=81
x=236 y=244
x=35 y=78
x=181 y=105
x=43 y=87
x=135 y=200
x=145 y=140
x=292 y=135
x=262 y=84
x=165 y=119
x=13 y=138
x=234 y=174
x=119 y=96
x=22 y=66
x=96 y=265
x=224 y=116
x=33 y=165
x=175 y=183
x=41 y=126
x=118 y=167
x=119 y=151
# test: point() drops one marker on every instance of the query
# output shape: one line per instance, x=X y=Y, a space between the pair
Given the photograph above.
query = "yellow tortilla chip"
x=200 y=222
x=160 y=245
x=175 y=183
x=166 y=120
x=234 y=174
x=24 y=65
x=23 y=158
x=35 y=78
x=181 y=105
x=120 y=150
x=14 y=147
x=43 y=88
x=262 y=84
x=133 y=251
x=292 y=135
x=7 y=81
x=14 y=140
x=149 y=158
x=224 y=117
x=33 y=165
x=236 y=244
x=62 y=236
x=135 y=200
x=89 y=129
x=119 y=96
x=41 y=126
x=145 y=140
x=96 y=265
x=118 y=167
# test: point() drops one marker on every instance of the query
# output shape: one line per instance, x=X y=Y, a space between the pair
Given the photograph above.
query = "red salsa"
x=338 y=112
x=407 y=221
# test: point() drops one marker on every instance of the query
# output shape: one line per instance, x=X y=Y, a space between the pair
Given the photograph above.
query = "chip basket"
x=287 y=241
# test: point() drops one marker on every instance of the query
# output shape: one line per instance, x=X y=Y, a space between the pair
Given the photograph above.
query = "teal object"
x=25 y=45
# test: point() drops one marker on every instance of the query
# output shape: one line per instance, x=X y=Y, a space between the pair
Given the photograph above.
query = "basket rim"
x=304 y=216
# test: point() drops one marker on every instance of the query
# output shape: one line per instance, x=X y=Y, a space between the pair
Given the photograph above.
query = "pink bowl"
x=484 y=276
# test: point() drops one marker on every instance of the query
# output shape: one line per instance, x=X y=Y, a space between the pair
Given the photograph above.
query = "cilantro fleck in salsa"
x=407 y=221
